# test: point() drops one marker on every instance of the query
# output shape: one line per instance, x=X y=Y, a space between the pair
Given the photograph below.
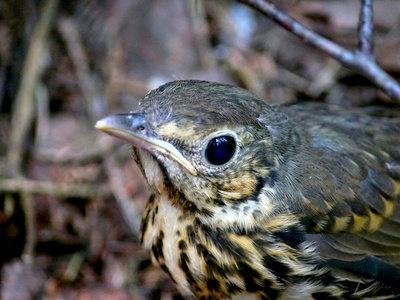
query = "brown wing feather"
x=344 y=181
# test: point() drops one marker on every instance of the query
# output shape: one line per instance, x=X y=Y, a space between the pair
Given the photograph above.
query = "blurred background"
x=71 y=197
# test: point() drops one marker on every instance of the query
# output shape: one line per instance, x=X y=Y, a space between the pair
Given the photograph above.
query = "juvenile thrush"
x=258 y=202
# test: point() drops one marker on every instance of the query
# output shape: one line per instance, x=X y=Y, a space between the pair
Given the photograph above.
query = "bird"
x=258 y=201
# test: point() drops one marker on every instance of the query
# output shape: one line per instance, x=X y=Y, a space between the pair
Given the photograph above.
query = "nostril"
x=136 y=122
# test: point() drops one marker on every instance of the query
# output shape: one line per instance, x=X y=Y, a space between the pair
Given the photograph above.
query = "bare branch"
x=21 y=185
x=361 y=61
x=365 y=28
x=30 y=224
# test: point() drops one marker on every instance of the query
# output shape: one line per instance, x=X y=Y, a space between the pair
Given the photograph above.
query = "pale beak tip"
x=106 y=123
x=100 y=124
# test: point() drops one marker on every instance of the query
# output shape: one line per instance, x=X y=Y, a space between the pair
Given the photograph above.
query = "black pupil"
x=220 y=150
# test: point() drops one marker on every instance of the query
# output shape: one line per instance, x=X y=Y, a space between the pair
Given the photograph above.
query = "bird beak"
x=136 y=130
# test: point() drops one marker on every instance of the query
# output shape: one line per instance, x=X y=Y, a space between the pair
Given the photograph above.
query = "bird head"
x=203 y=144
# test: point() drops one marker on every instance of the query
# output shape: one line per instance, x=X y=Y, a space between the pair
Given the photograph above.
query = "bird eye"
x=220 y=150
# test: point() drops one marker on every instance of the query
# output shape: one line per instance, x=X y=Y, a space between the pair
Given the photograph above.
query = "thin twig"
x=30 y=224
x=22 y=185
x=357 y=60
x=23 y=109
x=42 y=140
x=365 y=28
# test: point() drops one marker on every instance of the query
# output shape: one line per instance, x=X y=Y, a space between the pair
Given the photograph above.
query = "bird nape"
x=258 y=202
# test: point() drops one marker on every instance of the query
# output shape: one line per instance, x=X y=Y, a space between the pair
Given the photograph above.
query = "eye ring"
x=220 y=149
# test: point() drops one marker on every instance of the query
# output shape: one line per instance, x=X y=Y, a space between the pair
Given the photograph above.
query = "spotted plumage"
x=258 y=202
